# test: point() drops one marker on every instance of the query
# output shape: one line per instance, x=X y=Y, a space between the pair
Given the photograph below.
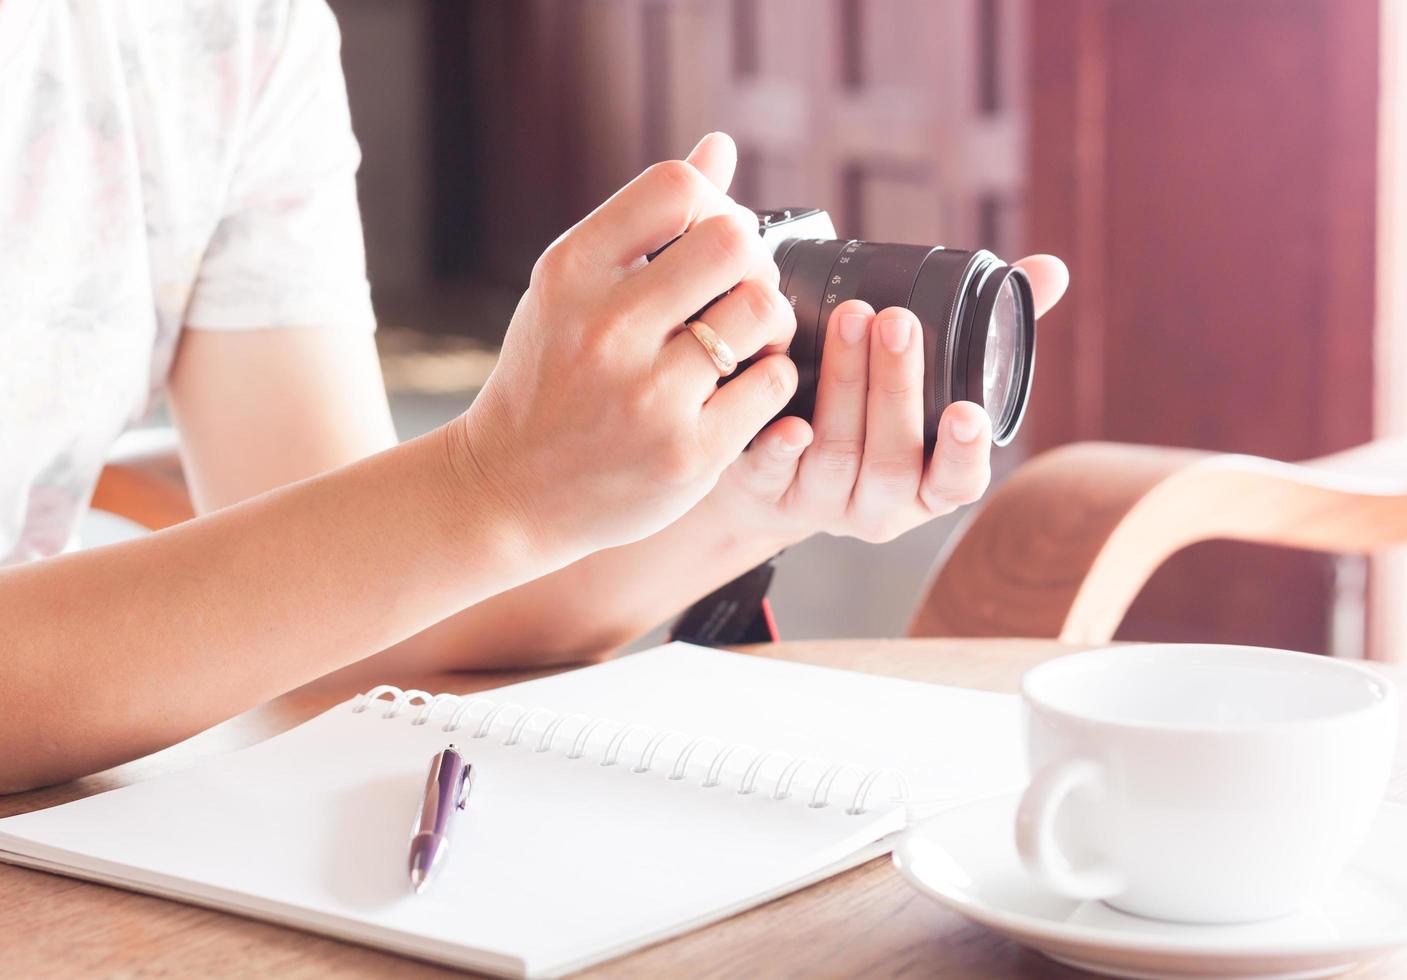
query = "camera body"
x=778 y=226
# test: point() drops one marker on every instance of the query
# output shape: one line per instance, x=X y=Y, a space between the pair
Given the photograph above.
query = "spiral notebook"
x=614 y=806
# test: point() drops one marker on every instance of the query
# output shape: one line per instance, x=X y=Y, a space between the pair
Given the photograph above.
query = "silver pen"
x=446 y=792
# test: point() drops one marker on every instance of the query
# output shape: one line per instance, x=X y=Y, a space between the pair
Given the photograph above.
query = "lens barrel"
x=978 y=318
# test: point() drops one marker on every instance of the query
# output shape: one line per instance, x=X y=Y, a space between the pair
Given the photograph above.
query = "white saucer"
x=966 y=859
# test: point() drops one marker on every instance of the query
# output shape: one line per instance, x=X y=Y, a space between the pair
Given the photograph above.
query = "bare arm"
x=261 y=409
x=320 y=392
x=599 y=426
x=216 y=615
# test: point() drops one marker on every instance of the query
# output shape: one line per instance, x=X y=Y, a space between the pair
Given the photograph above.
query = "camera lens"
x=977 y=315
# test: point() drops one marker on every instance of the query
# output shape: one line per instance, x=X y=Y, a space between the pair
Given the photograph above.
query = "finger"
x=653 y=209
x=737 y=411
x=960 y=469
x=752 y=318
x=892 y=464
x=708 y=260
x=831 y=464
x=716 y=157
x=1049 y=280
x=768 y=467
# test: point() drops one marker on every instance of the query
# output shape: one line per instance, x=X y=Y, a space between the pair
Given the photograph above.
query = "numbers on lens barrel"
x=839 y=277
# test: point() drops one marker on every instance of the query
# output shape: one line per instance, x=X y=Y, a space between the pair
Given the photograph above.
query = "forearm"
x=595 y=605
x=221 y=613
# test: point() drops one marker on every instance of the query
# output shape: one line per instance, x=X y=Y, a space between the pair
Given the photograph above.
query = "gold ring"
x=715 y=347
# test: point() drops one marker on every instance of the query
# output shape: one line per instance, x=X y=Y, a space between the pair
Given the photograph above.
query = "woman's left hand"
x=858 y=468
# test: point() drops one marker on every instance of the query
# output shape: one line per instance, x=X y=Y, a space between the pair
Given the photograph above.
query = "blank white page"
x=557 y=862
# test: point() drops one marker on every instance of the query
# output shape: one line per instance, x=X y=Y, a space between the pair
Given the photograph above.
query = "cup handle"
x=1035 y=832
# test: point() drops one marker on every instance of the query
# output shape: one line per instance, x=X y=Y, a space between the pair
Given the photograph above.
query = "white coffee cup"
x=1201 y=783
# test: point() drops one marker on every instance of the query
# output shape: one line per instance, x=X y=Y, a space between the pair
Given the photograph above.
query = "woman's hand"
x=858 y=468
x=603 y=422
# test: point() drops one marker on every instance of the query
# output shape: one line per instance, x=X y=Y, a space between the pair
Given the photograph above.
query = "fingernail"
x=790 y=448
x=895 y=334
x=852 y=327
x=964 y=430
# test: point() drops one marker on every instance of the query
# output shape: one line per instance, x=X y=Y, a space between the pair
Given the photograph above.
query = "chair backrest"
x=1062 y=548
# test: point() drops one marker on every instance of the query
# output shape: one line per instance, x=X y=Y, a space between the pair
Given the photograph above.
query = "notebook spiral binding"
x=501 y=713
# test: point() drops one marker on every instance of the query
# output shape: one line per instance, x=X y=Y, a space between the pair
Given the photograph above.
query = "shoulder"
x=217 y=23
x=204 y=76
x=232 y=45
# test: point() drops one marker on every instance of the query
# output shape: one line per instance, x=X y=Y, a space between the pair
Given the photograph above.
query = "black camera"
x=979 y=321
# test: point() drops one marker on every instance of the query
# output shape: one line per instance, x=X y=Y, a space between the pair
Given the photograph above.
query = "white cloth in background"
x=163 y=164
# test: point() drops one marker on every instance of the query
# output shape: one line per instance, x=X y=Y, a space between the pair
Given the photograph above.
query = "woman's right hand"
x=603 y=421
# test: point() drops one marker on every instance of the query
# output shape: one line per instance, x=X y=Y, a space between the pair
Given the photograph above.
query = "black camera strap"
x=735 y=614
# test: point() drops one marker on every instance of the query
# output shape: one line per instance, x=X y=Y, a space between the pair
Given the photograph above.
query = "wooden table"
x=865 y=922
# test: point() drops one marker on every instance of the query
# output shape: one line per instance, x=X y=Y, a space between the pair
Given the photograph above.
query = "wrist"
x=481 y=499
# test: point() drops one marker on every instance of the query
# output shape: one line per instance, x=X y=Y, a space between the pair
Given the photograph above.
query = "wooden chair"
x=1062 y=548
x=143 y=480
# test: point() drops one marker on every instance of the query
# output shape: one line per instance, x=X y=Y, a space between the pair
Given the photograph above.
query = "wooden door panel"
x=1206 y=167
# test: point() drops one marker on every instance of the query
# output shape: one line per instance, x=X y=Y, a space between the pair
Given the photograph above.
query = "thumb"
x=1049 y=280
x=716 y=157
x=768 y=467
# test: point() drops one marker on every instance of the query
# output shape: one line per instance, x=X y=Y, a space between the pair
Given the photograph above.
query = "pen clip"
x=466 y=783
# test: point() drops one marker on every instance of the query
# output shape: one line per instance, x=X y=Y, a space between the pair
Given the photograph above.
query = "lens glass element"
x=1001 y=355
